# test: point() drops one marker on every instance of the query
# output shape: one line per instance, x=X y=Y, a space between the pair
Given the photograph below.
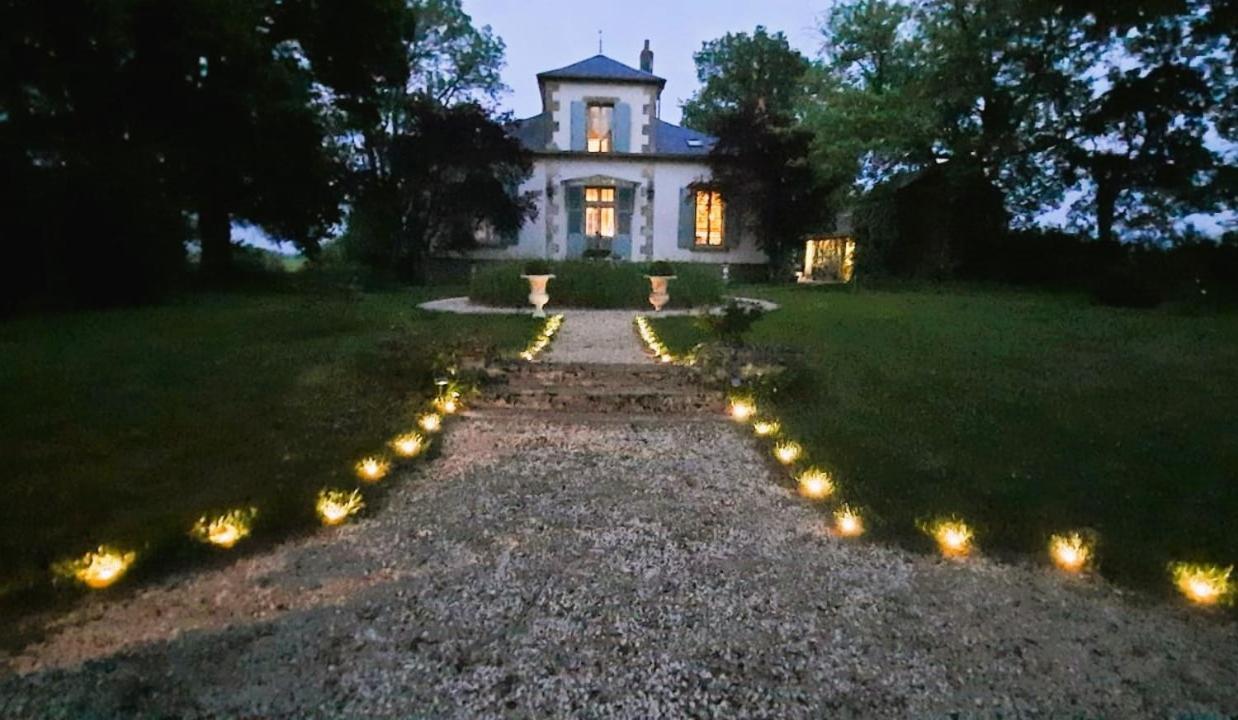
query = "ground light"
x=408 y=445
x=98 y=569
x=651 y=340
x=1203 y=584
x=847 y=522
x=1070 y=551
x=787 y=452
x=766 y=428
x=336 y=506
x=372 y=469
x=430 y=422
x=549 y=330
x=816 y=484
x=227 y=529
x=741 y=409
x=954 y=537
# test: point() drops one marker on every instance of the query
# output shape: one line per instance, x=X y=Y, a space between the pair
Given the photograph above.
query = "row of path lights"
x=1072 y=552
x=107 y=564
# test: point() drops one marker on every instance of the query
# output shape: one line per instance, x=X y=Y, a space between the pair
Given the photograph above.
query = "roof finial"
x=599 y=42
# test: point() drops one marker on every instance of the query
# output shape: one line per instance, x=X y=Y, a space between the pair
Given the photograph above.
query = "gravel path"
x=622 y=569
x=597 y=336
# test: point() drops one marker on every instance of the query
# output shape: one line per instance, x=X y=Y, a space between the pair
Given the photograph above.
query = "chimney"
x=646 y=58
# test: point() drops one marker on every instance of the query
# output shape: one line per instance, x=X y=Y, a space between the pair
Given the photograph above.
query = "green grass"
x=595 y=285
x=124 y=426
x=1023 y=413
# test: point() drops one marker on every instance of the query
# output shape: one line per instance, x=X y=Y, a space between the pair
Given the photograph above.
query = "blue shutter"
x=687 y=217
x=578 y=125
x=625 y=204
x=575 y=195
x=623 y=128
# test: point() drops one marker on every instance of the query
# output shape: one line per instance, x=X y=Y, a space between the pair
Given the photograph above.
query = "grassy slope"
x=123 y=426
x=1024 y=413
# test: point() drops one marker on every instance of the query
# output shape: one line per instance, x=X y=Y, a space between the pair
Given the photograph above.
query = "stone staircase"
x=599 y=391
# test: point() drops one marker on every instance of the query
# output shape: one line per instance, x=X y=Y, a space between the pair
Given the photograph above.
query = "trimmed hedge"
x=586 y=284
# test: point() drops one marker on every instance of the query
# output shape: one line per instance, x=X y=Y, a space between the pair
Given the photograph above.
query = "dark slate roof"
x=534 y=134
x=671 y=139
x=600 y=67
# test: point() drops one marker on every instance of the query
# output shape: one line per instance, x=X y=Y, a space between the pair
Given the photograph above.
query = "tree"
x=452 y=173
x=746 y=73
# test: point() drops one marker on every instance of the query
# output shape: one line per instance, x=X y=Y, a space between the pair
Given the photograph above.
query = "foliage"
x=925 y=403
x=445 y=177
x=661 y=268
x=596 y=254
x=741 y=72
x=582 y=283
x=732 y=323
x=537 y=267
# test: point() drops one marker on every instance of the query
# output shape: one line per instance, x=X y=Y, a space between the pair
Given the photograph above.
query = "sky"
x=548 y=34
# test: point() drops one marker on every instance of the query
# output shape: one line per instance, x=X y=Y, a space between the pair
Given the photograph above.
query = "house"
x=609 y=175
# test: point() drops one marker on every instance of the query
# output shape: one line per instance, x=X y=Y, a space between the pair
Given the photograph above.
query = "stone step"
x=521 y=416
x=626 y=400
x=560 y=372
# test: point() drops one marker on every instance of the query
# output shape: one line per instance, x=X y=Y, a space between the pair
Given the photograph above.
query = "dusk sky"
x=548 y=34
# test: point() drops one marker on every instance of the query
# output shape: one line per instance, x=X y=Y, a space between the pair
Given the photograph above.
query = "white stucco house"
x=610 y=175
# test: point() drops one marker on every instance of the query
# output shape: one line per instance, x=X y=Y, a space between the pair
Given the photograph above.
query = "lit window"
x=709 y=209
x=600 y=212
x=598 y=128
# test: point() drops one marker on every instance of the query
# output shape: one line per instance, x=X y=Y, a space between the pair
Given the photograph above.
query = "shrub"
x=732 y=323
x=1126 y=286
x=596 y=254
x=538 y=267
x=580 y=283
x=661 y=268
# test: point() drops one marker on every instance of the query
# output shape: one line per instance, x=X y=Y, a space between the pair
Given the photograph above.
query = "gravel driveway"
x=618 y=569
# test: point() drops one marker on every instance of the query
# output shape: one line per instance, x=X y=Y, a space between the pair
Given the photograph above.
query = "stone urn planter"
x=538 y=276
x=660 y=275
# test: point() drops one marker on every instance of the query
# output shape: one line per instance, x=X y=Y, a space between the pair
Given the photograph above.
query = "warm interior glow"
x=98 y=569
x=828 y=260
x=787 y=452
x=954 y=537
x=741 y=409
x=816 y=484
x=1070 y=552
x=225 y=530
x=372 y=469
x=408 y=445
x=847 y=522
x=710 y=212
x=430 y=422
x=1203 y=584
x=335 y=506
x=766 y=428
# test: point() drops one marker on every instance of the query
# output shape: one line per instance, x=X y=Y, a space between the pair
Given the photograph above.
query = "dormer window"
x=598 y=133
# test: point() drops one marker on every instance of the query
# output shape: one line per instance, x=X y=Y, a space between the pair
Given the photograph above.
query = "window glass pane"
x=608 y=194
x=598 y=128
x=592 y=221
x=607 y=228
x=591 y=194
x=709 y=212
x=715 y=219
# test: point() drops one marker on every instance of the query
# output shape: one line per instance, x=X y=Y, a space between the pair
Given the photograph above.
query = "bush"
x=596 y=254
x=661 y=268
x=581 y=283
x=732 y=323
x=537 y=267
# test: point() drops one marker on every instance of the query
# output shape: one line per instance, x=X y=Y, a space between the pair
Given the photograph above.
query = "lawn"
x=1022 y=413
x=124 y=426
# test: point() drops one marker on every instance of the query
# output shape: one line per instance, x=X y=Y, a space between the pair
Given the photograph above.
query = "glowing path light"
x=548 y=332
x=336 y=506
x=1203 y=584
x=816 y=484
x=98 y=569
x=647 y=334
x=408 y=445
x=430 y=422
x=372 y=469
x=225 y=530
x=766 y=428
x=1070 y=551
x=847 y=522
x=741 y=409
x=787 y=452
x=954 y=537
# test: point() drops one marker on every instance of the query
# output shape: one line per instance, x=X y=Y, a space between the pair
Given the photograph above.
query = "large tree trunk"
x=215 y=234
x=1106 y=208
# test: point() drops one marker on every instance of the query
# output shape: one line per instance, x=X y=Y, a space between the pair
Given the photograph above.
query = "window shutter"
x=575 y=195
x=732 y=224
x=622 y=131
x=578 y=125
x=687 y=217
x=626 y=201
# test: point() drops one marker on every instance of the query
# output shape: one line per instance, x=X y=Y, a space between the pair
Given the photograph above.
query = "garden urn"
x=658 y=297
x=538 y=297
